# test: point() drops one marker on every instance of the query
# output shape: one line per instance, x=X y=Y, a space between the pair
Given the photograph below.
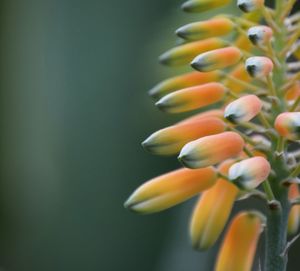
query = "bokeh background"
x=74 y=108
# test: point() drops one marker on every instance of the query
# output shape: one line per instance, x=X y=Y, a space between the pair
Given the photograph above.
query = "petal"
x=170 y=189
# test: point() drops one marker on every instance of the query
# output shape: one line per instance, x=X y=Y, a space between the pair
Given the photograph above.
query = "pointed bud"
x=203 y=5
x=249 y=173
x=239 y=73
x=294 y=215
x=259 y=66
x=170 y=140
x=184 y=54
x=170 y=189
x=250 y=5
x=206 y=29
x=287 y=124
x=293 y=92
x=217 y=59
x=211 y=150
x=239 y=246
x=215 y=113
x=260 y=35
x=192 y=98
x=183 y=81
x=243 y=109
x=212 y=211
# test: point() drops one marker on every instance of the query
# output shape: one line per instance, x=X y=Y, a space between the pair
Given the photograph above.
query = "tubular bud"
x=170 y=189
x=249 y=173
x=287 y=124
x=184 y=54
x=293 y=92
x=243 y=109
x=259 y=66
x=250 y=5
x=203 y=5
x=206 y=29
x=239 y=246
x=212 y=211
x=215 y=113
x=260 y=34
x=217 y=59
x=211 y=150
x=294 y=215
x=239 y=73
x=170 y=140
x=182 y=81
x=192 y=98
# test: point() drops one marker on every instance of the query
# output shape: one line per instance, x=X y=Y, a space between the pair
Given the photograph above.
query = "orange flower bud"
x=216 y=113
x=239 y=246
x=293 y=92
x=192 y=98
x=287 y=125
x=294 y=215
x=211 y=150
x=217 y=59
x=260 y=34
x=170 y=189
x=170 y=140
x=243 y=109
x=259 y=66
x=184 y=54
x=203 y=5
x=183 y=81
x=249 y=173
x=212 y=211
x=239 y=73
x=206 y=29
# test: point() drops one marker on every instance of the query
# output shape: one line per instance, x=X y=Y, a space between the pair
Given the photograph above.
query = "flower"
x=243 y=140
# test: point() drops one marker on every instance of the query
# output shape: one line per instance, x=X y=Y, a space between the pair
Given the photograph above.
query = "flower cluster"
x=242 y=141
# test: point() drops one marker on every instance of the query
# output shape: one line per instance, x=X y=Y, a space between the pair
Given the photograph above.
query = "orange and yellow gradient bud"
x=170 y=189
x=211 y=150
x=217 y=59
x=170 y=140
x=203 y=5
x=212 y=211
x=249 y=173
x=184 y=54
x=243 y=109
x=182 y=81
x=215 y=113
x=287 y=124
x=294 y=215
x=192 y=98
x=239 y=246
x=293 y=92
x=215 y=27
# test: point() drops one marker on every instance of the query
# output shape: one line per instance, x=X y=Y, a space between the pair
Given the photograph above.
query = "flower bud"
x=259 y=66
x=293 y=92
x=203 y=5
x=183 y=81
x=184 y=54
x=217 y=59
x=206 y=29
x=249 y=173
x=250 y=5
x=170 y=140
x=192 y=98
x=243 y=109
x=212 y=211
x=170 y=189
x=260 y=35
x=287 y=124
x=239 y=246
x=211 y=150
x=215 y=113
x=239 y=73
x=294 y=215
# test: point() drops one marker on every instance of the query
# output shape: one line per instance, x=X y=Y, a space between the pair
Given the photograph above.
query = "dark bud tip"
x=251 y=69
x=243 y=7
x=253 y=38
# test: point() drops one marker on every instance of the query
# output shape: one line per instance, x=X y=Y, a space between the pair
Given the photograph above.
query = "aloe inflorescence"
x=244 y=139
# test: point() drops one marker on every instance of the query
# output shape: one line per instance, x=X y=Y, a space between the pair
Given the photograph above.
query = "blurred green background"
x=74 y=108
